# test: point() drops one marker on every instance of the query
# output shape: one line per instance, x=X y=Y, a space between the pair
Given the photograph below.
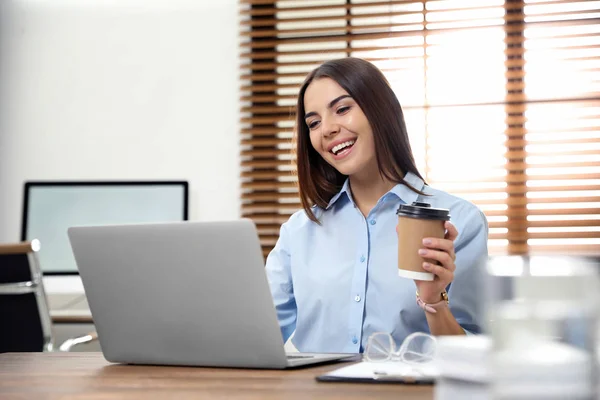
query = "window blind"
x=501 y=100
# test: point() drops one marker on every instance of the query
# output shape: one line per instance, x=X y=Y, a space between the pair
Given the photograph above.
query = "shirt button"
x=362 y=258
x=354 y=340
x=373 y=222
x=357 y=298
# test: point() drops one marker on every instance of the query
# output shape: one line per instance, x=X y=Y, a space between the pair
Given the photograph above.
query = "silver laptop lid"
x=186 y=293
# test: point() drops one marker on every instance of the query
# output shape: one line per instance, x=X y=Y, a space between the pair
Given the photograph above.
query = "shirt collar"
x=405 y=193
x=402 y=191
x=344 y=190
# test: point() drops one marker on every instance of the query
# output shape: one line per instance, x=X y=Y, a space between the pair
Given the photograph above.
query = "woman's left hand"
x=442 y=251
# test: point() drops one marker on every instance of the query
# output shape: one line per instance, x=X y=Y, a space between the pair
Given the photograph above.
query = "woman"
x=333 y=272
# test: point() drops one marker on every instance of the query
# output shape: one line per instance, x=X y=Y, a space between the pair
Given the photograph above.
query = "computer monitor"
x=50 y=208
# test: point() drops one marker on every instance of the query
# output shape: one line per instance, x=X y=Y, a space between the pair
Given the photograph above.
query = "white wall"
x=115 y=90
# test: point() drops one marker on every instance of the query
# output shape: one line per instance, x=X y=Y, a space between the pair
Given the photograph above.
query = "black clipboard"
x=407 y=380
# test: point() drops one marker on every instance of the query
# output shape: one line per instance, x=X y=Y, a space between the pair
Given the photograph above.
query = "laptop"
x=183 y=293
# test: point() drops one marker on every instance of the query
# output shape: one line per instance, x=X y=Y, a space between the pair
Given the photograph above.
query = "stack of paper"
x=383 y=371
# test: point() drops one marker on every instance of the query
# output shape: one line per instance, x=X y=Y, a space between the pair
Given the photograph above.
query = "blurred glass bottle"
x=542 y=316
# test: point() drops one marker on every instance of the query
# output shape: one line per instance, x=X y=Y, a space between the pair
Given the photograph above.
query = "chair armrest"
x=20 y=248
x=68 y=344
x=18 y=287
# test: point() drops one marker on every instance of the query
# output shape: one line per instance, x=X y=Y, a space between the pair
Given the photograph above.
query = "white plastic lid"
x=464 y=357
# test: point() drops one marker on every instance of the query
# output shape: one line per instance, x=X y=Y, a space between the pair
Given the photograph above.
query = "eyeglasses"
x=417 y=348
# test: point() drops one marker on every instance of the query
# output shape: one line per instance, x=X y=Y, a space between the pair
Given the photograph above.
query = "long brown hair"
x=318 y=181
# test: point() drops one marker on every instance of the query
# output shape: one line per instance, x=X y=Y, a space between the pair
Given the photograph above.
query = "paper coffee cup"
x=416 y=222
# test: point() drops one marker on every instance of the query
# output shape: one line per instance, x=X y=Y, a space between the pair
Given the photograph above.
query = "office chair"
x=23 y=305
x=24 y=313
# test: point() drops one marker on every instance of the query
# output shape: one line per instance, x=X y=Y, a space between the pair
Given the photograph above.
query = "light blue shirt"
x=336 y=283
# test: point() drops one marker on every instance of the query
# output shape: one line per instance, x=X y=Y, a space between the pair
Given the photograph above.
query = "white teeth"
x=341 y=146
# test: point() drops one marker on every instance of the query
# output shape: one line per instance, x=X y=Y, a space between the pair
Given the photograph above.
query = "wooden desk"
x=69 y=309
x=71 y=317
x=88 y=376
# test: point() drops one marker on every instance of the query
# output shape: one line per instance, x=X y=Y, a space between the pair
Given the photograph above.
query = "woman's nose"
x=329 y=127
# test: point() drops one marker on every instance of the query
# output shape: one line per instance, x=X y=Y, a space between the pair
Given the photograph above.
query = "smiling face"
x=335 y=137
x=339 y=130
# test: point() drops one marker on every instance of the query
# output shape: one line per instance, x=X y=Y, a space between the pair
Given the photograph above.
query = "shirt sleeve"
x=279 y=275
x=465 y=292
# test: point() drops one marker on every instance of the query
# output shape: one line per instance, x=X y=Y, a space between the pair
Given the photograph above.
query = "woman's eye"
x=313 y=124
x=343 y=110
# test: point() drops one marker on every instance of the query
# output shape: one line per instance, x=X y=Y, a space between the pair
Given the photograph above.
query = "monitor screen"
x=50 y=208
